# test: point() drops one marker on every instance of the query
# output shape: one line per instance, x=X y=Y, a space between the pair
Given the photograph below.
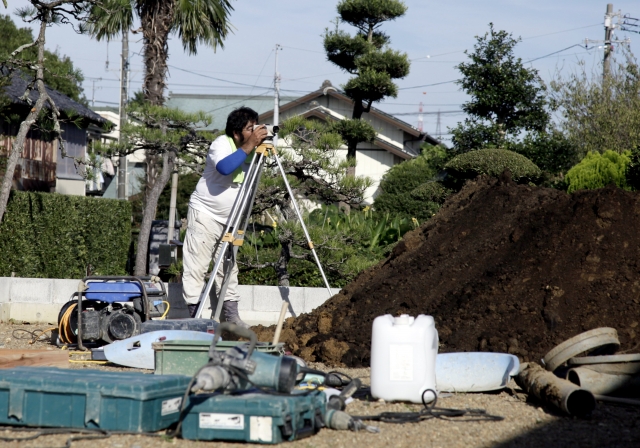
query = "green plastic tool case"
x=254 y=417
x=186 y=357
x=66 y=398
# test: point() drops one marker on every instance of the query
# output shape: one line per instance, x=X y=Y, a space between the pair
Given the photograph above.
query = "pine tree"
x=367 y=56
x=507 y=99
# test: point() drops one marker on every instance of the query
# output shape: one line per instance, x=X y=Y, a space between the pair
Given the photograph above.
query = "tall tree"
x=507 y=99
x=599 y=114
x=196 y=22
x=367 y=56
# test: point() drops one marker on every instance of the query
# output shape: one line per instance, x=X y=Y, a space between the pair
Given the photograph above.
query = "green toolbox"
x=186 y=357
x=254 y=417
x=66 y=398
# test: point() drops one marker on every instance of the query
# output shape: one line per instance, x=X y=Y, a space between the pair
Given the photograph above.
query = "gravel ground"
x=526 y=422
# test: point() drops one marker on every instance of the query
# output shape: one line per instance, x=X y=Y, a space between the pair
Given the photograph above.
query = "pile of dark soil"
x=502 y=267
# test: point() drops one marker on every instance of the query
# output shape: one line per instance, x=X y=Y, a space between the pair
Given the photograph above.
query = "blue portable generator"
x=111 y=309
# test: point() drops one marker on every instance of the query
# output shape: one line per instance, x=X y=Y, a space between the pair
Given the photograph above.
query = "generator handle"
x=143 y=291
x=238 y=331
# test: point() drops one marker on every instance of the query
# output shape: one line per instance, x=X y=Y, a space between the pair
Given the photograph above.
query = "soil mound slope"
x=502 y=267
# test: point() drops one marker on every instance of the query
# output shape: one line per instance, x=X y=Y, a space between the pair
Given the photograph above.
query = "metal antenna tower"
x=438 y=130
x=420 y=117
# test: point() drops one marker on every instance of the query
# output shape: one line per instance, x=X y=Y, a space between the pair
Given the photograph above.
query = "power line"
x=425 y=105
x=564 y=31
x=526 y=62
x=429 y=85
x=551 y=54
x=237 y=102
x=524 y=38
x=302 y=49
x=459 y=111
x=217 y=79
x=261 y=70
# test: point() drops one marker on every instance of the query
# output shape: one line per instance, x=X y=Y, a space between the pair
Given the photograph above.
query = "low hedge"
x=493 y=162
x=51 y=235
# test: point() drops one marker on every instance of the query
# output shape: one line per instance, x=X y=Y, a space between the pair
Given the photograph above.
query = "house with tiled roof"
x=41 y=166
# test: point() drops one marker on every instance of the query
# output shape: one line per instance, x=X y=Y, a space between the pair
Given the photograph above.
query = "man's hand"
x=256 y=137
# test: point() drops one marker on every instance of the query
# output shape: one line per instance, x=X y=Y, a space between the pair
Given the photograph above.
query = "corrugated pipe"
x=604 y=383
x=560 y=393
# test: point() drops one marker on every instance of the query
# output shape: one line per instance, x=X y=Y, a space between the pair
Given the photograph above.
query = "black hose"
x=430 y=411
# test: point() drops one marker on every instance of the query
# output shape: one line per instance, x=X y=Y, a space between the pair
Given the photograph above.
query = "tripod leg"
x=304 y=228
x=228 y=265
x=232 y=253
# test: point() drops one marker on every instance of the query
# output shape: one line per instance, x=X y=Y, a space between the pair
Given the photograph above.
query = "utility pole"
x=608 y=31
x=93 y=90
x=276 y=100
x=625 y=23
x=172 y=206
x=124 y=75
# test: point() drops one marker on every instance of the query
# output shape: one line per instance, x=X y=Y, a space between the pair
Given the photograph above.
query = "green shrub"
x=58 y=236
x=401 y=180
x=491 y=162
x=431 y=192
x=599 y=170
x=346 y=244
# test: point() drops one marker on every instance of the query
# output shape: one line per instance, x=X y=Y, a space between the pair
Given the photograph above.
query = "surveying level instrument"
x=238 y=222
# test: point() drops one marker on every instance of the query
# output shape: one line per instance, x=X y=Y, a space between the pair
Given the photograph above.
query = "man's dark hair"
x=238 y=119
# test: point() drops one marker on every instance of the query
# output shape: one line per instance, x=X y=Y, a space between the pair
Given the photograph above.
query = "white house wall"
x=373 y=163
x=371 y=160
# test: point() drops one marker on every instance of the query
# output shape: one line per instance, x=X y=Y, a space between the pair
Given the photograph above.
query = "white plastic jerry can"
x=403 y=358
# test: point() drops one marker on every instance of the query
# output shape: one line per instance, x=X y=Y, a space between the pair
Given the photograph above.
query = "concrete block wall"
x=39 y=300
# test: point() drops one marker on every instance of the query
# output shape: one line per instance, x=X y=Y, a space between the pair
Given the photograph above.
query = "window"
x=75 y=144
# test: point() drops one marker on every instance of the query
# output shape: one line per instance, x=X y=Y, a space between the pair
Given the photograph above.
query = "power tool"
x=242 y=368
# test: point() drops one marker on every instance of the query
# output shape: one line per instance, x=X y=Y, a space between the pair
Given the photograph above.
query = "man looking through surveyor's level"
x=209 y=209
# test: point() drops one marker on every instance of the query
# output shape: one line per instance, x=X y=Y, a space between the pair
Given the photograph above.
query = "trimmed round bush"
x=492 y=162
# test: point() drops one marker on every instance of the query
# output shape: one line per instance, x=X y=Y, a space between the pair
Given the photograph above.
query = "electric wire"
x=166 y=311
x=217 y=79
x=551 y=54
x=261 y=70
x=525 y=62
x=34 y=336
x=237 y=102
x=65 y=333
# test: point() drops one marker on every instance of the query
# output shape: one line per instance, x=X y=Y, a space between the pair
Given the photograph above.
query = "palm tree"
x=195 y=21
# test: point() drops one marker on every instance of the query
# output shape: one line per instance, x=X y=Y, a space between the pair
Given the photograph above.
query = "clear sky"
x=433 y=34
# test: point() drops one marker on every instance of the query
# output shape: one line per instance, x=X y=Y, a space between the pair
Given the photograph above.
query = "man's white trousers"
x=203 y=234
